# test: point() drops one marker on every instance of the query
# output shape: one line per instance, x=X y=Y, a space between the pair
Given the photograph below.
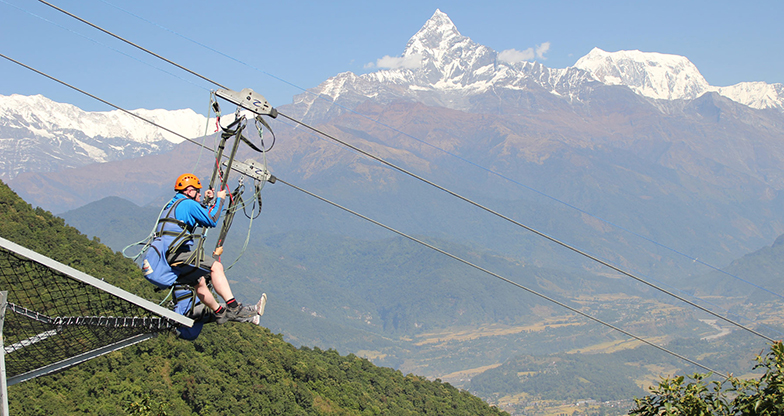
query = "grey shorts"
x=186 y=272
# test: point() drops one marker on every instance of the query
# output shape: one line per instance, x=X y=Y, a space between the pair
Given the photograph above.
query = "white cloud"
x=542 y=49
x=514 y=56
x=393 y=62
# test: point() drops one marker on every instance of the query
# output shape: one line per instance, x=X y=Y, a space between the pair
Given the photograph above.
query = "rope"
x=145 y=243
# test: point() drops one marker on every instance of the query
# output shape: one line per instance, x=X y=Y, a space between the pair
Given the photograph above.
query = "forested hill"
x=231 y=369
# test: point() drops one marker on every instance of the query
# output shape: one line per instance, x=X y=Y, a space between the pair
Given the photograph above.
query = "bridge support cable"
x=507 y=280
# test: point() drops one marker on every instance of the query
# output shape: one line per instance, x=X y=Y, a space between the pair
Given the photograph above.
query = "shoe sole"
x=261 y=304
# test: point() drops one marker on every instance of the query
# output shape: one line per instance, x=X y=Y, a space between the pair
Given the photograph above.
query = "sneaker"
x=252 y=313
x=246 y=313
x=223 y=317
x=228 y=314
x=261 y=304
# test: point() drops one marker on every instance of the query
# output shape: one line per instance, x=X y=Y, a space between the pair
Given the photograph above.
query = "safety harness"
x=182 y=234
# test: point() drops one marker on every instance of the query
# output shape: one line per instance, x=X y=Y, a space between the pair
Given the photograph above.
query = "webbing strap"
x=228 y=219
x=180 y=238
x=249 y=143
x=169 y=218
x=191 y=293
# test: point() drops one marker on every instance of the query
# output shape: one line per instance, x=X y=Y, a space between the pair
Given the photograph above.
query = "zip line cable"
x=496 y=275
x=577 y=311
x=498 y=174
x=727 y=311
x=412 y=137
x=606 y=264
x=521 y=225
x=433 y=184
x=101 y=44
x=132 y=44
x=207 y=47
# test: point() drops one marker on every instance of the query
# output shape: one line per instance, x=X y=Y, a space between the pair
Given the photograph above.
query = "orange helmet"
x=185 y=180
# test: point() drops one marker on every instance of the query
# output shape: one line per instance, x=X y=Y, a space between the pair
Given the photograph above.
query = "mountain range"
x=40 y=135
x=449 y=70
x=444 y=69
x=697 y=171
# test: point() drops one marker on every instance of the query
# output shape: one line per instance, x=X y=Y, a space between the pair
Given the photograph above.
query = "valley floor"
x=461 y=355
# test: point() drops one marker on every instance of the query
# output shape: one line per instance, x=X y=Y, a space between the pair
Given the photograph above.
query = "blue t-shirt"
x=192 y=213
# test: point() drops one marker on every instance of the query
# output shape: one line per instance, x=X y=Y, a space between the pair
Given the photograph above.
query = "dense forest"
x=231 y=369
x=237 y=369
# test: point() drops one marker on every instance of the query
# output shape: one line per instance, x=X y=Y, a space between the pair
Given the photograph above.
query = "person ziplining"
x=174 y=255
x=174 y=245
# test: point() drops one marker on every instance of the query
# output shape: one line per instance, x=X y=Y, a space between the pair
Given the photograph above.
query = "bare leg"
x=204 y=294
x=219 y=281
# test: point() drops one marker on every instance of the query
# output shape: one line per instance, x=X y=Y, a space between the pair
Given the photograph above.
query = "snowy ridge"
x=440 y=66
x=654 y=75
x=46 y=118
x=449 y=60
x=672 y=77
x=755 y=94
x=40 y=135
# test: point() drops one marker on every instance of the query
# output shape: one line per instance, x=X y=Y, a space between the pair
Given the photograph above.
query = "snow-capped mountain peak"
x=442 y=67
x=650 y=74
x=446 y=59
x=672 y=77
x=755 y=94
x=435 y=38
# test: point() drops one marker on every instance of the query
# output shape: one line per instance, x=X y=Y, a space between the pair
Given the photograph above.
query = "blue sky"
x=280 y=48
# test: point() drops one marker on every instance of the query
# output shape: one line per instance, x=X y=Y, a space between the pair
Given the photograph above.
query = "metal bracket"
x=253 y=169
x=249 y=100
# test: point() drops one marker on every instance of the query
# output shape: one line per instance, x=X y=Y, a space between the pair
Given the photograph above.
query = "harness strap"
x=180 y=238
x=168 y=217
x=190 y=294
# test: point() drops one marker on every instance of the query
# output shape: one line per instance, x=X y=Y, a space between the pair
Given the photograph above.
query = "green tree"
x=732 y=396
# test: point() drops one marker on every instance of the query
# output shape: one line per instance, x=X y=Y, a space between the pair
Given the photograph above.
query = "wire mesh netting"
x=52 y=317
